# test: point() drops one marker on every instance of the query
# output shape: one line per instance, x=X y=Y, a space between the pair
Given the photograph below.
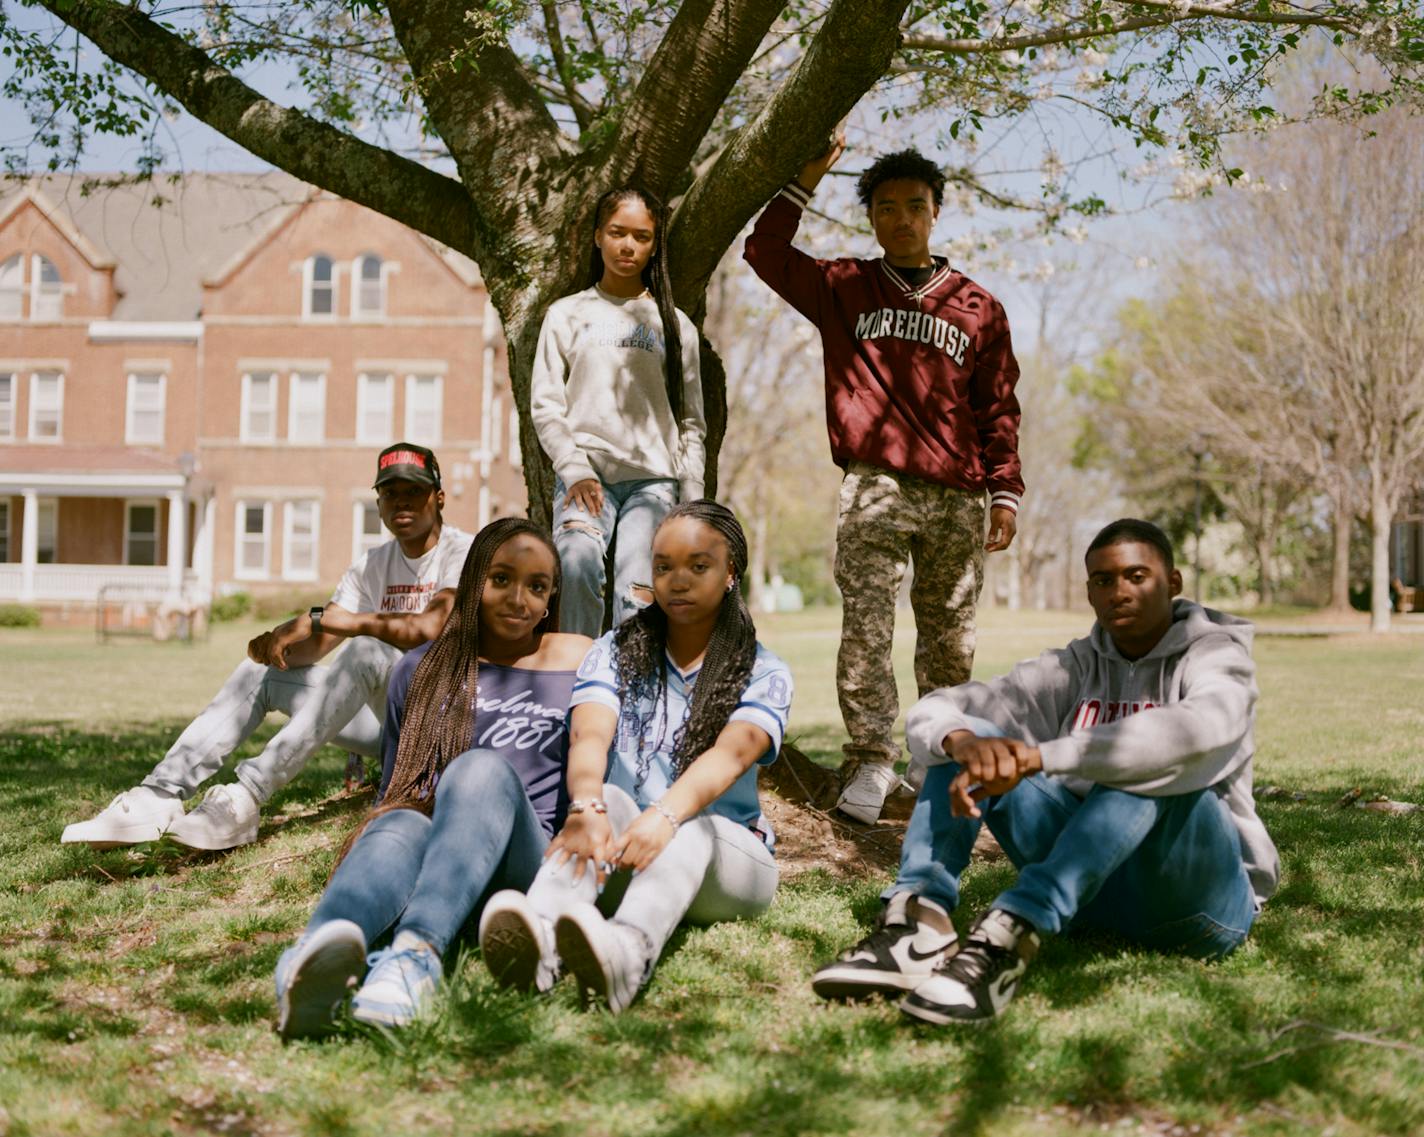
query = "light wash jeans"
x=1165 y=872
x=343 y=702
x=427 y=875
x=713 y=869
x=631 y=509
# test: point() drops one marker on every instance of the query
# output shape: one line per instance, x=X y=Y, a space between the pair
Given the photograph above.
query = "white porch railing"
x=81 y=583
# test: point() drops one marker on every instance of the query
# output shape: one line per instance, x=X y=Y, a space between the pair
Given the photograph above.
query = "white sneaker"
x=316 y=975
x=226 y=817
x=865 y=795
x=609 y=959
x=401 y=984
x=136 y=815
x=898 y=956
x=517 y=943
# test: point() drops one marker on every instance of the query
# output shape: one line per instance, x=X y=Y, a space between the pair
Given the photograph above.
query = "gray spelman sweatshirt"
x=598 y=394
x=1179 y=719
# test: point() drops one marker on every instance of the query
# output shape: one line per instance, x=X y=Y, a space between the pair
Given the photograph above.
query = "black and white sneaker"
x=977 y=984
x=912 y=938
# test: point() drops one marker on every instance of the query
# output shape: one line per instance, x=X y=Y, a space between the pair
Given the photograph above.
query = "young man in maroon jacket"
x=922 y=416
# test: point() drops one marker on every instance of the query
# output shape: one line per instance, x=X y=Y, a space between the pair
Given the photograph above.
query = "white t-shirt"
x=386 y=580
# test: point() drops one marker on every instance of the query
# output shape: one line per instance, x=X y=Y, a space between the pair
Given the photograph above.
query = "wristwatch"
x=315 y=617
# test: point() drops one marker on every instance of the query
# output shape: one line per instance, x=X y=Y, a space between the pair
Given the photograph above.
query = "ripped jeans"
x=631 y=509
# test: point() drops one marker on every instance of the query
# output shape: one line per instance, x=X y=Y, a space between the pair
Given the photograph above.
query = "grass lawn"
x=135 y=986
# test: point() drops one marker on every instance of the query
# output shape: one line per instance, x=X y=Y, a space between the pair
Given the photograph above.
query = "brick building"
x=193 y=391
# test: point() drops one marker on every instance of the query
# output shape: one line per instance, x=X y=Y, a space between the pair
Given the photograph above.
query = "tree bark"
x=1381 y=518
x=1343 y=525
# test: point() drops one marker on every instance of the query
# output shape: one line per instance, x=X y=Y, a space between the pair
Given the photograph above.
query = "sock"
x=412 y=941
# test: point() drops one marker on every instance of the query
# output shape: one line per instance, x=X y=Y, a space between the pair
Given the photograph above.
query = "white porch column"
x=177 y=542
x=203 y=548
x=29 y=545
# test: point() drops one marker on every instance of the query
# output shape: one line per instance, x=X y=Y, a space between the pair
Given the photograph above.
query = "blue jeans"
x=1165 y=872
x=631 y=509
x=431 y=873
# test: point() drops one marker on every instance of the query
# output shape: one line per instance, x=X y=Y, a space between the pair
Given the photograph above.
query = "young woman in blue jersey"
x=475 y=747
x=616 y=399
x=671 y=715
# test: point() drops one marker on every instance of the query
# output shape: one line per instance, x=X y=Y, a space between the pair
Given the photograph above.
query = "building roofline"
x=51 y=212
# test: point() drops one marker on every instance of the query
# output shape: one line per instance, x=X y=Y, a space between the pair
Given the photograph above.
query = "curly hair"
x=439 y=716
x=656 y=278
x=640 y=647
x=909 y=164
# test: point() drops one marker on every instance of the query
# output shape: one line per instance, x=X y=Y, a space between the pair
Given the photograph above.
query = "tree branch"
x=849 y=52
x=1170 y=14
x=505 y=142
x=583 y=113
x=303 y=146
x=699 y=61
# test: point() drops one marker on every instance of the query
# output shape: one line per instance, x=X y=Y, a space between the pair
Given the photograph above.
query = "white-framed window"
x=46 y=406
x=259 y=407
x=301 y=537
x=319 y=287
x=141 y=532
x=516 y=456
x=9 y=383
x=306 y=407
x=366 y=529
x=147 y=400
x=47 y=526
x=424 y=407
x=46 y=290
x=375 y=408
x=252 y=557
x=368 y=287
x=4 y=530
x=12 y=288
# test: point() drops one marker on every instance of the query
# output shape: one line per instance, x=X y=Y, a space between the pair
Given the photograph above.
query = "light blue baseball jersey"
x=640 y=759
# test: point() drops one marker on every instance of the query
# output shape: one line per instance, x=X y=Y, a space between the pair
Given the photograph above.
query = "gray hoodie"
x=1179 y=719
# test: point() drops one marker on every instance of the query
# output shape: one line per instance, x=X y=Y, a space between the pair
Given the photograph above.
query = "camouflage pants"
x=887 y=521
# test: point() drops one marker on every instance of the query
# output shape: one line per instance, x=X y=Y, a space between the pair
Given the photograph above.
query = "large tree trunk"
x=1265 y=586
x=1381 y=518
x=1344 y=522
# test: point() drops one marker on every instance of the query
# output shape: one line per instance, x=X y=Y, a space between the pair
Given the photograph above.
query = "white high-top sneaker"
x=517 y=943
x=865 y=795
x=608 y=959
x=912 y=938
x=136 y=815
x=226 y=817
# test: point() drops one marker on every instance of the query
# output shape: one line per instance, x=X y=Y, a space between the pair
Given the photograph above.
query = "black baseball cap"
x=405 y=461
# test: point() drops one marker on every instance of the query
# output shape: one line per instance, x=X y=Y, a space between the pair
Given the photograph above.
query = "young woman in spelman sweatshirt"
x=616 y=399
x=1116 y=775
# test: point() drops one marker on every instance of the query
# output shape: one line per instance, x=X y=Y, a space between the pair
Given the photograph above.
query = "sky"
x=1036 y=280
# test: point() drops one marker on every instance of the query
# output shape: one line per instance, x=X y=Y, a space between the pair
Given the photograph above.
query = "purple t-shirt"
x=520 y=714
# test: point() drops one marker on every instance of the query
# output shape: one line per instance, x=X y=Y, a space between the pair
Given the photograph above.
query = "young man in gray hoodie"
x=1116 y=775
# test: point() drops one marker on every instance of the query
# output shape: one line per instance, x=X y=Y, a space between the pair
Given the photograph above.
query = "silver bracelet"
x=593 y=804
x=668 y=815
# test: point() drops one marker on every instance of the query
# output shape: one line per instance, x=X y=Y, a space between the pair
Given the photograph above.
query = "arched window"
x=46 y=290
x=12 y=287
x=368 y=290
x=320 y=286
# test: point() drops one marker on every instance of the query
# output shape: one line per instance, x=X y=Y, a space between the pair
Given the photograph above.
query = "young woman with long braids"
x=475 y=747
x=671 y=714
x=616 y=399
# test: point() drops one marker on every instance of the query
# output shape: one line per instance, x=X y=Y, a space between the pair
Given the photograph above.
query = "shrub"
x=19 y=616
x=232 y=607
x=280 y=606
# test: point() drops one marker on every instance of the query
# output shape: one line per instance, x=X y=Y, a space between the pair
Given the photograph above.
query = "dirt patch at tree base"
x=798 y=798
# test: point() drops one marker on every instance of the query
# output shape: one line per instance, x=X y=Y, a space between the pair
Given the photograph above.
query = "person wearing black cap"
x=394 y=598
